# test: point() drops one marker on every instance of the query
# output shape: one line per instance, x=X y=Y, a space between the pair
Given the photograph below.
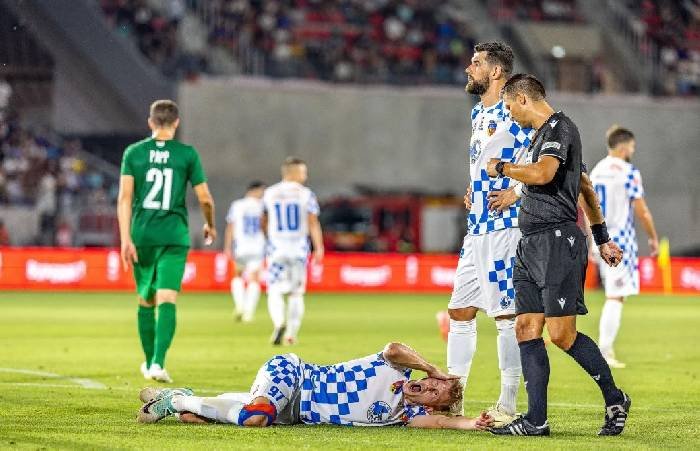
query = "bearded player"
x=244 y=243
x=290 y=217
x=619 y=187
x=371 y=391
x=153 y=227
x=484 y=275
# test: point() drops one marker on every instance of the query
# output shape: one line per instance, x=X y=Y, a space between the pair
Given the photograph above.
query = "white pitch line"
x=83 y=382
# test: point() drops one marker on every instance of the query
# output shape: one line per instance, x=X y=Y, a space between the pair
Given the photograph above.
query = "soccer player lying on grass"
x=370 y=391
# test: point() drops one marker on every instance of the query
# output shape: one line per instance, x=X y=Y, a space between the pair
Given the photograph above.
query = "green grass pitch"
x=93 y=337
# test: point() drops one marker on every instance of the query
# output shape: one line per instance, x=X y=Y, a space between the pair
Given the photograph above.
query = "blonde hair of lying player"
x=437 y=392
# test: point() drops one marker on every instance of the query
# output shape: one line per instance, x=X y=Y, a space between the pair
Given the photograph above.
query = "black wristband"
x=600 y=233
x=499 y=167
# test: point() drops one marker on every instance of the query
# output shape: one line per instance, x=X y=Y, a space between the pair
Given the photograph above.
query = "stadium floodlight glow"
x=558 y=51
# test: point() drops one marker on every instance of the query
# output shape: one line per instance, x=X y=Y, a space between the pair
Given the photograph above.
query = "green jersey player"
x=153 y=227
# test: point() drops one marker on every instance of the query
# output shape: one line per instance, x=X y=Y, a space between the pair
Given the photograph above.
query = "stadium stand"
x=397 y=42
x=55 y=178
x=668 y=32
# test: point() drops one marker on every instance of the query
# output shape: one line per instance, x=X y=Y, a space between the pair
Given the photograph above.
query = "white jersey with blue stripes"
x=248 y=238
x=288 y=205
x=494 y=135
x=618 y=184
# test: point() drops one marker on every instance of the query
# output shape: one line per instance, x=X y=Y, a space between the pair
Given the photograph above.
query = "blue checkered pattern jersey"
x=494 y=135
x=626 y=237
x=502 y=273
x=360 y=392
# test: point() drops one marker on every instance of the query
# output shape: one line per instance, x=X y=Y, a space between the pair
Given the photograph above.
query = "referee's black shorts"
x=550 y=270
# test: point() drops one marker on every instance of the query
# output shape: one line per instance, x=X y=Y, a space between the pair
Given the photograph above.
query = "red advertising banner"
x=100 y=269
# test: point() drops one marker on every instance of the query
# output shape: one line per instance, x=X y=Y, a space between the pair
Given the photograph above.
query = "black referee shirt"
x=546 y=206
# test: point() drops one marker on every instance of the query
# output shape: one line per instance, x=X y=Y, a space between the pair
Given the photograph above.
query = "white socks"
x=238 y=293
x=461 y=345
x=509 y=363
x=219 y=409
x=609 y=324
x=295 y=313
x=252 y=295
x=275 y=306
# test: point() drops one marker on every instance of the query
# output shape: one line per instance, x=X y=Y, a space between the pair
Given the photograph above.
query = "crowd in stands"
x=359 y=41
x=535 y=10
x=51 y=177
x=674 y=26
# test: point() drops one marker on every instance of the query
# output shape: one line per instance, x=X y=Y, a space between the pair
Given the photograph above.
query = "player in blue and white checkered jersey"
x=484 y=276
x=619 y=187
x=371 y=391
x=290 y=217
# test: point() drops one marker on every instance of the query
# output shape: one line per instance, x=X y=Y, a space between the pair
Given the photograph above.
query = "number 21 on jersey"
x=162 y=180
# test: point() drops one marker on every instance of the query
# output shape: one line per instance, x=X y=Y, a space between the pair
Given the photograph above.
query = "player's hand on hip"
x=491 y=167
x=611 y=253
x=501 y=200
x=468 y=199
x=209 y=234
x=128 y=254
x=653 y=247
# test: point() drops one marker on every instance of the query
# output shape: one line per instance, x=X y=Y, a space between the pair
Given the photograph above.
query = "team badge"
x=491 y=129
x=378 y=412
x=396 y=387
x=506 y=301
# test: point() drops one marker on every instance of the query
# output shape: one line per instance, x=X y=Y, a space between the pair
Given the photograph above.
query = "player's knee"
x=146 y=302
x=562 y=339
x=462 y=314
x=163 y=296
x=505 y=325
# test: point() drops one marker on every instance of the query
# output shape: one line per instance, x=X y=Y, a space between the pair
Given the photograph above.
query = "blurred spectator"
x=359 y=41
x=674 y=28
x=64 y=234
x=53 y=179
x=4 y=234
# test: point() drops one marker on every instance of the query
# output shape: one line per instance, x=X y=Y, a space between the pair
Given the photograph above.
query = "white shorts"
x=279 y=380
x=249 y=263
x=620 y=281
x=287 y=275
x=484 y=275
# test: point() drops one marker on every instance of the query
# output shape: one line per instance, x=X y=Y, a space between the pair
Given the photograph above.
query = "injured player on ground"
x=371 y=391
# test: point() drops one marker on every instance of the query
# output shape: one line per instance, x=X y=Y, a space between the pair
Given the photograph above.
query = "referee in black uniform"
x=552 y=256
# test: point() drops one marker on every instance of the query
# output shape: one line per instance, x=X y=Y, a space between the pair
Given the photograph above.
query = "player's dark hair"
x=164 y=113
x=618 y=135
x=497 y=53
x=524 y=84
x=255 y=184
x=292 y=161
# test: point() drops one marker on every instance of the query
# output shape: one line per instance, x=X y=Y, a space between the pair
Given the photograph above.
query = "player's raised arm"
x=399 y=354
x=480 y=423
x=206 y=202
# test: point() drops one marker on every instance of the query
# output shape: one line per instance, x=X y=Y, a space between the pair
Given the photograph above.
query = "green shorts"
x=159 y=268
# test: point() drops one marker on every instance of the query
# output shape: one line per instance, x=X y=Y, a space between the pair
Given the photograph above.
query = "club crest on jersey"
x=378 y=412
x=396 y=387
x=491 y=129
x=506 y=301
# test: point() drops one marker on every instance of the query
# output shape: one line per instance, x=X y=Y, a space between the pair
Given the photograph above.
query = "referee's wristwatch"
x=499 y=168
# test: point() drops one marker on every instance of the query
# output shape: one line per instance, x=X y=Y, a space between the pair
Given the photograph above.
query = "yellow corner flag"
x=664 y=262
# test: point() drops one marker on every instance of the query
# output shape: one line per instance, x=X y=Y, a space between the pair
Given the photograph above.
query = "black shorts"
x=550 y=270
